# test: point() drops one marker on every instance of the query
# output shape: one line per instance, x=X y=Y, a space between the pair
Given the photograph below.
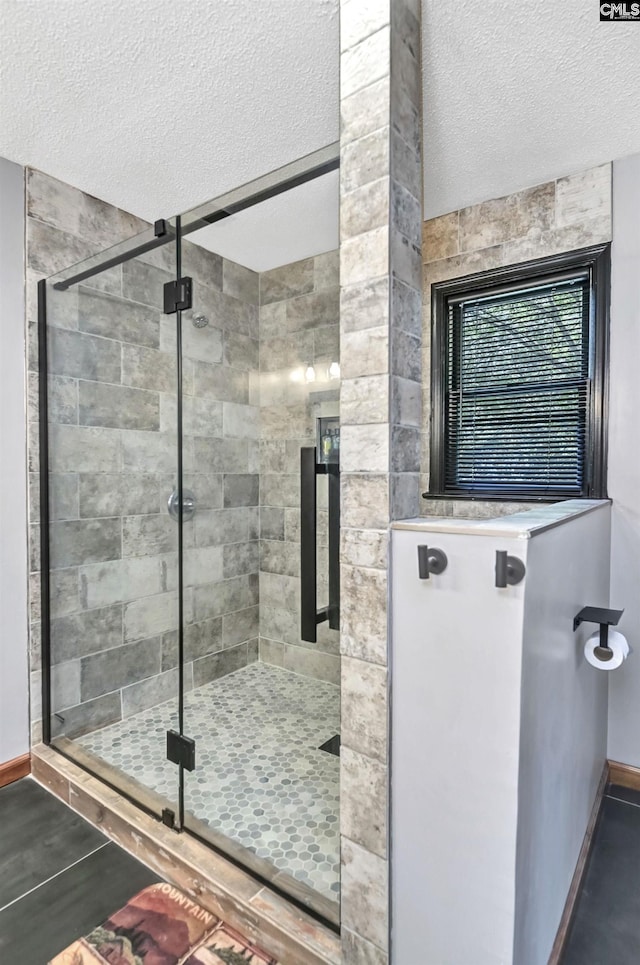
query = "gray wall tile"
x=149 y=535
x=200 y=639
x=149 y=452
x=49 y=250
x=217 y=665
x=365 y=893
x=73 y=542
x=219 y=598
x=150 y=692
x=321 y=666
x=240 y=558
x=272 y=522
x=271 y=651
x=221 y=455
x=119 y=494
x=113 y=669
x=83 y=633
x=88 y=716
x=204 y=344
x=241 y=489
x=118 y=407
x=240 y=626
x=281 y=283
x=227 y=312
x=220 y=383
x=118 y=318
x=81 y=356
x=62 y=400
x=105 y=583
x=365 y=110
x=150 y=616
x=313 y=310
x=240 y=351
x=358 y=951
x=147 y=368
x=240 y=421
x=326 y=270
x=279 y=557
x=205 y=266
x=221 y=526
x=203 y=565
x=363 y=818
x=200 y=417
x=240 y=282
x=279 y=490
x=277 y=623
x=63 y=496
x=80 y=449
x=279 y=591
x=144 y=283
x=203 y=638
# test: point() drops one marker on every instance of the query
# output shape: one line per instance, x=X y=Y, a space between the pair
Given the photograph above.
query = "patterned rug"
x=161 y=926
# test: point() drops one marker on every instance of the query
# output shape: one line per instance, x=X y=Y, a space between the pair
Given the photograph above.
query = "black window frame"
x=596 y=260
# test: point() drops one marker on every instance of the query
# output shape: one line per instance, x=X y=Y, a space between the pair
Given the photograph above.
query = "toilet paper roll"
x=617 y=642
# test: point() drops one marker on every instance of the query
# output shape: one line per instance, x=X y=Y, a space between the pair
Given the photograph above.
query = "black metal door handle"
x=310 y=616
x=308 y=526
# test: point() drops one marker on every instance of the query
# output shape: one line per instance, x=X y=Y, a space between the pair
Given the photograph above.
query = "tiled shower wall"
x=113 y=445
x=299 y=327
x=112 y=420
x=548 y=219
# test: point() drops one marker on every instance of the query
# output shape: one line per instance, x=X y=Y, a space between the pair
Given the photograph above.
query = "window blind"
x=517 y=390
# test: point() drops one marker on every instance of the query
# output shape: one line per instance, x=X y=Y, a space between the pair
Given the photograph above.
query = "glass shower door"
x=260 y=354
x=109 y=403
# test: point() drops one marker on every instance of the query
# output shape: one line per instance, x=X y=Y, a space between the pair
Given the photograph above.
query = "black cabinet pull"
x=510 y=570
x=430 y=561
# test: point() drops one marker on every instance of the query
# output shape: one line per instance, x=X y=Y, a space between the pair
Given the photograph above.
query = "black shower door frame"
x=177 y=298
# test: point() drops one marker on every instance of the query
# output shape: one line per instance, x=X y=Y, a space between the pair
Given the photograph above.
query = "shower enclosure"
x=189 y=608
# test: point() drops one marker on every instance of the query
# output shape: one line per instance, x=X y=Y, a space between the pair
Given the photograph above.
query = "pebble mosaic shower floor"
x=260 y=777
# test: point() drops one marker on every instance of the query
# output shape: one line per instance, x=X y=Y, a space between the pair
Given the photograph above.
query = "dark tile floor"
x=606 y=928
x=59 y=877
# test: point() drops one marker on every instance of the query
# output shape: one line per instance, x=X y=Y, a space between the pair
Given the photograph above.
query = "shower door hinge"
x=177 y=296
x=181 y=750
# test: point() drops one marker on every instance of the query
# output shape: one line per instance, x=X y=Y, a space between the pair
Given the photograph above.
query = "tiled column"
x=380 y=319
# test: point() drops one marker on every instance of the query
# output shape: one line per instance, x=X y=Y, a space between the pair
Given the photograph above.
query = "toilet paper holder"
x=605 y=618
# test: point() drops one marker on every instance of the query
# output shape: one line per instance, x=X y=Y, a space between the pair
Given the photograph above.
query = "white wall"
x=14 y=711
x=499 y=732
x=456 y=648
x=624 y=454
x=563 y=727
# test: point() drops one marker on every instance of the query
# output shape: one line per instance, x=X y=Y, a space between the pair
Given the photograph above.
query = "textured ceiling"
x=302 y=222
x=516 y=94
x=157 y=105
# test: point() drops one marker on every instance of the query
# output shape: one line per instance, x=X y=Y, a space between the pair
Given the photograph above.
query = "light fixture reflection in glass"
x=310 y=374
x=297 y=375
x=334 y=370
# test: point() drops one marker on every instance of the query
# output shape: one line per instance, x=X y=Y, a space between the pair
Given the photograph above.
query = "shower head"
x=199 y=320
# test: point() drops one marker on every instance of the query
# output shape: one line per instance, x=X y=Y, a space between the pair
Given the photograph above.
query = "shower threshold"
x=261 y=782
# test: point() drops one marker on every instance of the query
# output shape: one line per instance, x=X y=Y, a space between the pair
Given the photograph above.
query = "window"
x=518 y=375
